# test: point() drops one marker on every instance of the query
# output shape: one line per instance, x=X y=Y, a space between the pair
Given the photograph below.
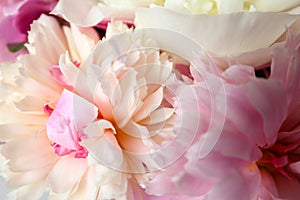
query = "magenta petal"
x=287 y=189
x=9 y=35
x=30 y=11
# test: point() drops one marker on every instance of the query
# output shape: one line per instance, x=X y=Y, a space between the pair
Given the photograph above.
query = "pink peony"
x=256 y=156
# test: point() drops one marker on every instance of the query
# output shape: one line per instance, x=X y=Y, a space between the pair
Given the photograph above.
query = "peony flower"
x=97 y=11
x=100 y=116
x=29 y=90
x=256 y=155
x=15 y=19
x=227 y=38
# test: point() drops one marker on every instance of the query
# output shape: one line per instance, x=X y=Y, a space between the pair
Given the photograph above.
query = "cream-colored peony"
x=86 y=121
x=28 y=88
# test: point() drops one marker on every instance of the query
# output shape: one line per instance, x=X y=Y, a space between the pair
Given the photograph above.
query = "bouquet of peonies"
x=150 y=100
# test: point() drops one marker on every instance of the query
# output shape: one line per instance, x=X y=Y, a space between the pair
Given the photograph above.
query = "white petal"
x=84 y=13
x=105 y=150
x=222 y=35
x=152 y=102
x=29 y=192
x=66 y=173
x=29 y=177
x=157 y=116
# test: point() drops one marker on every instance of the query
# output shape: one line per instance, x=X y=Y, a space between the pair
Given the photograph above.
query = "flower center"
x=279 y=158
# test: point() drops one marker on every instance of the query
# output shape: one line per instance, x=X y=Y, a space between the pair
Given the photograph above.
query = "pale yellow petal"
x=275 y=5
x=225 y=6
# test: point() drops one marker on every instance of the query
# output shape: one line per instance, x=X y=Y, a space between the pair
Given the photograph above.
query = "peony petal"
x=66 y=122
x=230 y=34
x=28 y=177
x=18 y=148
x=68 y=69
x=32 y=64
x=151 y=102
x=28 y=192
x=41 y=159
x=287 y=189
x=234 y=144
x=161 y=185
x=288 y=75
x=46 y=32
x=295 y=167
x=9 y=35
x=229 y=6
x=236 y=185
x=66 y=173
x=14 y=131
x=238 y=74
x=81 y=41
x=86 y=188
x=268 y=186
x=123 y=98
x=102 y=144
x=274 y=5
x=273 y=113
x=84 y=13
x=214 y=165
x=158 y=116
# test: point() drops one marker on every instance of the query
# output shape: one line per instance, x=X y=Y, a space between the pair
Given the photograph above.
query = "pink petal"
x=238 y=74
x=243 y=186
x=268 y=187
x=295 y=167
x=273 y=112
x=31 y=10
x=66 y=122
x=289 y=74
x=9 y=35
